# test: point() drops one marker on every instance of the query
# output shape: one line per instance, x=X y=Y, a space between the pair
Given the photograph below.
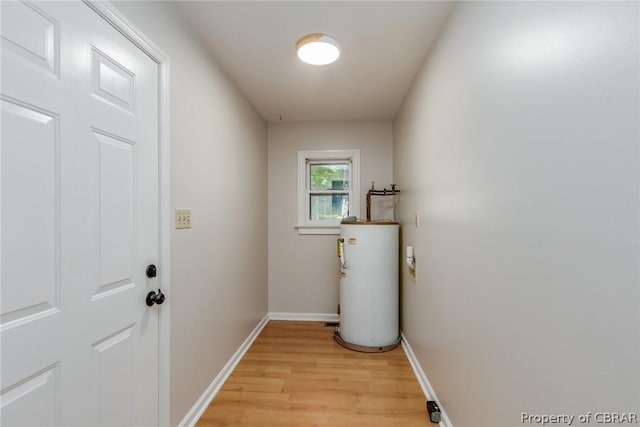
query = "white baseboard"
x=203 y=402
x=312 y=317
x=427 y=389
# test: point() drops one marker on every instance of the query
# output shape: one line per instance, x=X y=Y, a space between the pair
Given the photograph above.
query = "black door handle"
x=155 y=298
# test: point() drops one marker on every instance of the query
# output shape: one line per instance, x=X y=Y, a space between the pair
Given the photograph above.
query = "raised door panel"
x=112 y=82
x=30 y=218
x=116 y=190
x=112 y=379
x=33 y=401
x=30 y=34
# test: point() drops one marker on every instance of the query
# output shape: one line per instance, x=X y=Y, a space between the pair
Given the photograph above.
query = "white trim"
x=164 y=204
x=307 y=317
x=203 y=402
x=427 y=389
x=317 y=229
x=117 y=20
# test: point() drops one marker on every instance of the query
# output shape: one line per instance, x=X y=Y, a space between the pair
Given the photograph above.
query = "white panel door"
x=79 y=220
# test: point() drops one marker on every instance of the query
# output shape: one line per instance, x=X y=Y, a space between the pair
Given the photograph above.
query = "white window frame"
x=305 y=158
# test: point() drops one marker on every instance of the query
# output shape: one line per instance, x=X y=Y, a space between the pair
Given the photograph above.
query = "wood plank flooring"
x=295 y=374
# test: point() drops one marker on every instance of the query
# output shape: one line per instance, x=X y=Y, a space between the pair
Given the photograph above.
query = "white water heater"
x=369 y=292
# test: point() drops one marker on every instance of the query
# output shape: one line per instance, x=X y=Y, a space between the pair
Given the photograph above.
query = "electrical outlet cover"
x=183 y=218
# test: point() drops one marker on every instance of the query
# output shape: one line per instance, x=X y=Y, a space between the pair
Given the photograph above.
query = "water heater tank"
x=369 y=295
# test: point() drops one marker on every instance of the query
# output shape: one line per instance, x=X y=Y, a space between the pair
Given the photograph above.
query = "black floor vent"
x=331 y=324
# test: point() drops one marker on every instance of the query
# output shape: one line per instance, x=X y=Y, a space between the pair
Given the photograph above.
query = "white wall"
x=303 y=269
x=219 y=170
x=518 y=145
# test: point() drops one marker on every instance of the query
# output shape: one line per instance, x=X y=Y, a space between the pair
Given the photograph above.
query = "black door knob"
x=159 y=297
x=155 y=298
x=151 y=271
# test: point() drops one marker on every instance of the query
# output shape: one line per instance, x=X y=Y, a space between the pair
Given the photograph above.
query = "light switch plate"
x=183 y=218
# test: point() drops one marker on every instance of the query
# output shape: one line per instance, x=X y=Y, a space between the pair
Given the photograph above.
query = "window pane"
x=328 y=207
x=330 y=176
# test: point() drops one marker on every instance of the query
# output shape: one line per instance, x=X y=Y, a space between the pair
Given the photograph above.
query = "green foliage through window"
x=332 y=176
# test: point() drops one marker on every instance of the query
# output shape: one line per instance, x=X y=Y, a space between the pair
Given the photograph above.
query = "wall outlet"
x=183 y=218
x=411 y=262
x=412 y=270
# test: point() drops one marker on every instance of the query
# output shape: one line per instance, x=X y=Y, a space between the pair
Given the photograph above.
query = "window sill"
x=318 y=229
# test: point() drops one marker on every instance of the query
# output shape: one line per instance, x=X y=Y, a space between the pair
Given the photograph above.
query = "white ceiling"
x=383 y=45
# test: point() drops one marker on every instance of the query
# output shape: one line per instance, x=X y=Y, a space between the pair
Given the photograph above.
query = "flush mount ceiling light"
x=318 y=49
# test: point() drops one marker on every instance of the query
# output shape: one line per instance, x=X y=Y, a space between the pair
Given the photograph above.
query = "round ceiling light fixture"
x=318 y=49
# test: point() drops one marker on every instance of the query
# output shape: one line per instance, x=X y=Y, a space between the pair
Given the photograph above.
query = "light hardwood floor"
x=295 y=374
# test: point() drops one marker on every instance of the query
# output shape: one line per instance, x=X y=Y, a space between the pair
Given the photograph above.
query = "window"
x=328 y=189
